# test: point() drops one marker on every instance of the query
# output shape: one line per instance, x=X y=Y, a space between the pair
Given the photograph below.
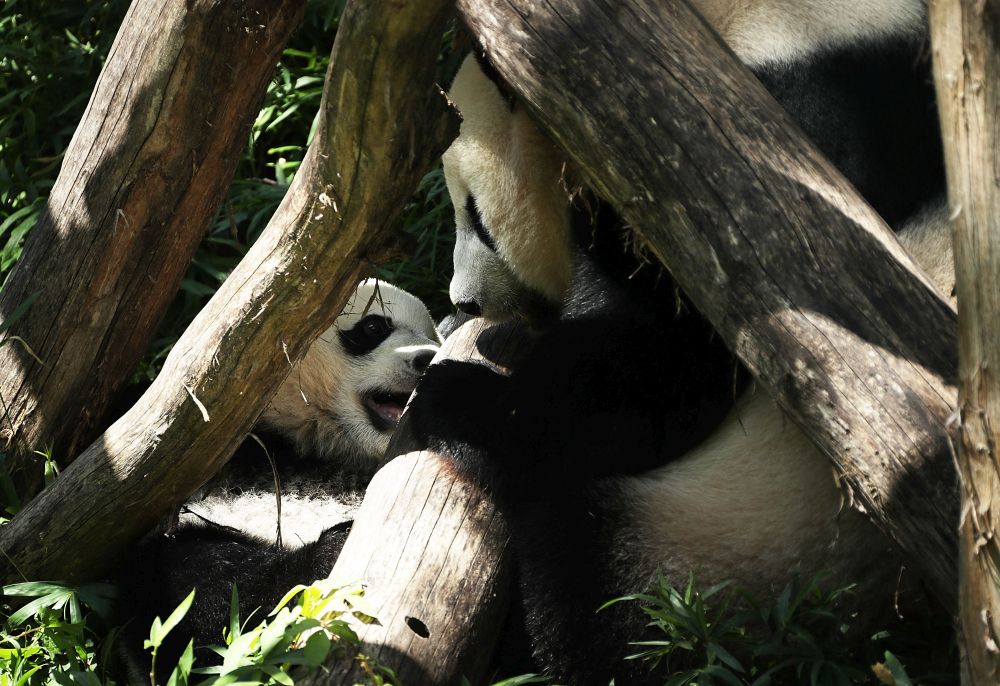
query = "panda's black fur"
x=320 y=439
x=616 y=440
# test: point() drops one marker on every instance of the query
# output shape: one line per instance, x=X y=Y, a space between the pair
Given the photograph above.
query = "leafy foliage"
x=59 y=637
x=50 y=55
x=297 y=636
x=724 y=636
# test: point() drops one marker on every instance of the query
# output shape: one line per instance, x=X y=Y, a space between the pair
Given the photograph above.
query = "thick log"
x=966 y=43
x=797 y=273
x=432 y=551
x=145 y=172
x=382 y=123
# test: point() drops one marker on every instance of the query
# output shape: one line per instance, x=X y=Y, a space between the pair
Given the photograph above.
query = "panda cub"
x=621 y=446
x=320 y=440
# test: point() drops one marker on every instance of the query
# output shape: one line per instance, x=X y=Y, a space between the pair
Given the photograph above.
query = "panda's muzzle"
x=384 y=408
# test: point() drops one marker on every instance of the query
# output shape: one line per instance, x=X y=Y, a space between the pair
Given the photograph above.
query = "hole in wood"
x=418 y=627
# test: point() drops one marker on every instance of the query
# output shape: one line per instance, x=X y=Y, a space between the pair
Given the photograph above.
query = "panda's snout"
x=421 y=360
x=469 y=307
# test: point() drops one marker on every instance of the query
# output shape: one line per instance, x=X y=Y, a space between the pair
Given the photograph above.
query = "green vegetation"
x=61 y=637
x=50 y=56
x=802 y=636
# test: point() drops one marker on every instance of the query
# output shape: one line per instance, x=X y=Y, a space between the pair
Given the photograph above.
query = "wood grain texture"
x=797 y=273
x=432 y=551
x=144 y=174
x=382 y=123
x=966 y=43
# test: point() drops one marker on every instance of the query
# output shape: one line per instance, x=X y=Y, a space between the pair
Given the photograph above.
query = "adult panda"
x=615 y=449
x=321 y=438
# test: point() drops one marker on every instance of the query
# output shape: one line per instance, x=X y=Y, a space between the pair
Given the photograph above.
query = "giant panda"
x=321 y=439
x=624 y=444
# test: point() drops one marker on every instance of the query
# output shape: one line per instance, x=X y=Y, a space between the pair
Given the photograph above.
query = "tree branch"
x=144 y=174
x=381 y=125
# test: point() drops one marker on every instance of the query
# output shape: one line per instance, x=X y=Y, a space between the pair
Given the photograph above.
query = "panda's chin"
x=384 y=408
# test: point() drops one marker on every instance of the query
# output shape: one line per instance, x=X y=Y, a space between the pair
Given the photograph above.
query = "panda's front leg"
x=459 y=410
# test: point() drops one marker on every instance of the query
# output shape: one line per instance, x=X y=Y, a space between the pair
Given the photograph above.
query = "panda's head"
x=343 y=400
x=513 y=247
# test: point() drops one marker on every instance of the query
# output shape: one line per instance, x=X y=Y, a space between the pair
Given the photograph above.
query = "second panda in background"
x=320 y=439
x=619 y=448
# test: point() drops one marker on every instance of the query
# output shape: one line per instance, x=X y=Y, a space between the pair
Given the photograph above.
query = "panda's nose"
x=422 y=360
x=470 y=307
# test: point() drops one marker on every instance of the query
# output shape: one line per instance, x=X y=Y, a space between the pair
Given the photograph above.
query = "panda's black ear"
x=490 y=72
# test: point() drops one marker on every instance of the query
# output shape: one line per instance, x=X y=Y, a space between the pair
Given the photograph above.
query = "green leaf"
x=178 y=614
x=35 y=588
x=316 y=649
x=897 y=670
x=523 y=679
x=181 y=673
x=234 y=614
x=725 y=657
x=29 y=610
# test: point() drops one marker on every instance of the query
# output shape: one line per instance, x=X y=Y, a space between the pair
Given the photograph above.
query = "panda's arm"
x=609 y=396
x=460 y=409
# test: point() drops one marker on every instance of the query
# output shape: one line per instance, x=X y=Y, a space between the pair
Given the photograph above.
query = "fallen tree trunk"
x=145 y=172
x=382 y=123
x=432 y=551
x=967 y=76
x=797 y=273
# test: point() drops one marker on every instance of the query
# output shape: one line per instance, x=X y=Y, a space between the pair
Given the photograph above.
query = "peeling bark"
x=966 y=42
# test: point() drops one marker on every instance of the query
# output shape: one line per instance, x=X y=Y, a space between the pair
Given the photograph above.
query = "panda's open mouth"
x=384 y=408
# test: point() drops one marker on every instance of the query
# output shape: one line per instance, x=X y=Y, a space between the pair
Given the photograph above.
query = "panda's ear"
x=490 y=72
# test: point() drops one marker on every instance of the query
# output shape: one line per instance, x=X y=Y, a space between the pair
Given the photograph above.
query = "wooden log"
x=382 y=123
x=966 y=43
x=432 y=551
x=145 y=172
x=797 y=273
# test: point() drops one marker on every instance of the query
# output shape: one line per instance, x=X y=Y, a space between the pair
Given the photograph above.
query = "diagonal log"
x=146 y=170
x=382 y=123
x=797 y=273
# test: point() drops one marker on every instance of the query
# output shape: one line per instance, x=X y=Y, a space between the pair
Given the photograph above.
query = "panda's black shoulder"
x=870 y=108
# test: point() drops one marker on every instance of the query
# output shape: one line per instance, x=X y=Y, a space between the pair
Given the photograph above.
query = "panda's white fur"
x=516 y=176
x=325 y=431
x=324 y=409
x=324 y=405
x=501 y=155
x=762 y=31
x=755 y=502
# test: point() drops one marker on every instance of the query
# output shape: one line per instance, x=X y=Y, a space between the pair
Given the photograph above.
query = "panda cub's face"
x=343 y=400
x=513 y=245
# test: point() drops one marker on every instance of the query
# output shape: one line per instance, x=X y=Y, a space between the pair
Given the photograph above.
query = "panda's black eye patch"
x=476 y=223
x=366 y=335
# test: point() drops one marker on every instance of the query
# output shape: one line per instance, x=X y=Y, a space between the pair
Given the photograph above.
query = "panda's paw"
x=457 y=405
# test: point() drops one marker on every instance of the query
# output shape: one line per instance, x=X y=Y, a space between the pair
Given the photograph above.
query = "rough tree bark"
x=145 y=171
x=432 y=550
x=381 y=125
x=966 y=43
x=800 y=277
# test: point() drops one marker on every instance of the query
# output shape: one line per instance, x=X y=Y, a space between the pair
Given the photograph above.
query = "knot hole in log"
x=418 y=627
